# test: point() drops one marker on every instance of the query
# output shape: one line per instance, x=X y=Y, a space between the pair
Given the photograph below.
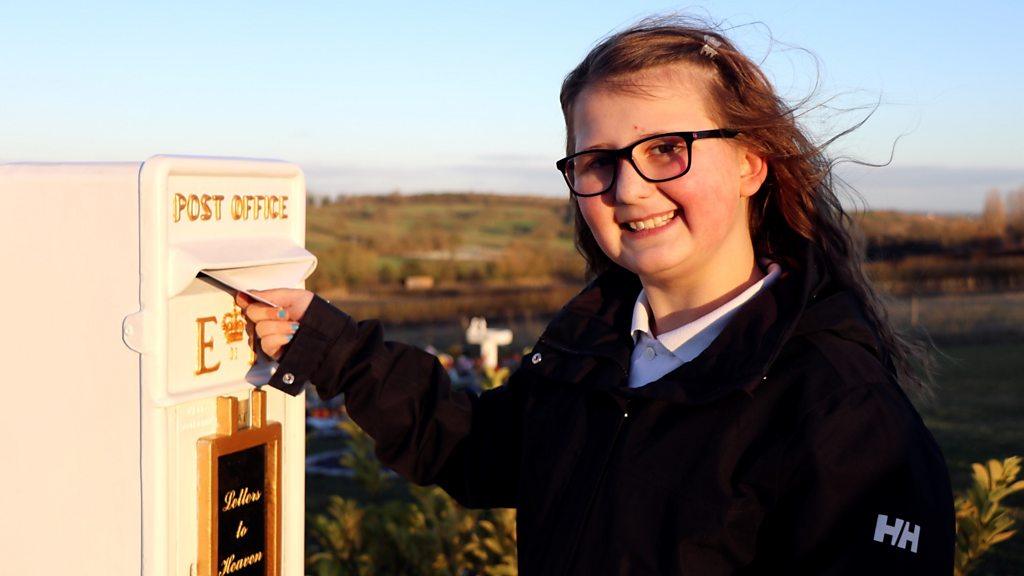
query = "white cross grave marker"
x=489 y=339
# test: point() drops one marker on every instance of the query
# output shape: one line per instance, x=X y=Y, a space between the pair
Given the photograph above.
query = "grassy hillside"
x=378 y=240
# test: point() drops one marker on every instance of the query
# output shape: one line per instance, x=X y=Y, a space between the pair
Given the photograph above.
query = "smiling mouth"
x=649 y=223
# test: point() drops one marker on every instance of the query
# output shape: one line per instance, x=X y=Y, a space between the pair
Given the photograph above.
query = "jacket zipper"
x=607 y=459
x=597 y=488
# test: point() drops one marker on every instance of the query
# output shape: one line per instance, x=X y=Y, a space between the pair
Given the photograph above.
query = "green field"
x=978 y=410
x=977 y=415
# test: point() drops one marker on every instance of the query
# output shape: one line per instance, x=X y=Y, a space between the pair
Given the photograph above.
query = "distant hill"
x=474 y=243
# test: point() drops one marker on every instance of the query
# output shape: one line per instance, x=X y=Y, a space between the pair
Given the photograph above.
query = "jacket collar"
x=803 y=300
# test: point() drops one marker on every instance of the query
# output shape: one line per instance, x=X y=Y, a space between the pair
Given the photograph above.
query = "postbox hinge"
x=133 y=331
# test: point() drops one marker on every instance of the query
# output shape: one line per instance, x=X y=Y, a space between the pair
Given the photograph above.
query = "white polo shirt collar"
x=653 y=357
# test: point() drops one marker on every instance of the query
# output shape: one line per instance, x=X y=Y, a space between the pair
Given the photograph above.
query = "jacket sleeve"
x=867 y=493
x=402 y=397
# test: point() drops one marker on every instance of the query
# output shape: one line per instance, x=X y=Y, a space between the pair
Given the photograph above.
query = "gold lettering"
x=216 y=206
x=241 y=531
x=179 y=204
x=207 y=211
x=229 y=565
x=204 y=345
x=234 y=499
x=193 y=207
x=205 y=207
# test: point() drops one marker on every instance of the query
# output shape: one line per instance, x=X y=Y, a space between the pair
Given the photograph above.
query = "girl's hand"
x=275 y=326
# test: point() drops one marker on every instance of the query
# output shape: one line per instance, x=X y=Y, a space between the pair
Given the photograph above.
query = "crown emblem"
x=233 y=325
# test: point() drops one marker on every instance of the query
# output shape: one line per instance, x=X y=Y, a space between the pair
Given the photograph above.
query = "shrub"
x=426 y=534
x=981 y=519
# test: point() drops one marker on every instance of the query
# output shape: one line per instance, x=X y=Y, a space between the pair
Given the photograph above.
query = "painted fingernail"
x=295 y=327
x=281 y=313
x=290 y=337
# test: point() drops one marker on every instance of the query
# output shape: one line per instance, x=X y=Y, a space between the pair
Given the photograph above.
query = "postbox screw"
x=288 y=378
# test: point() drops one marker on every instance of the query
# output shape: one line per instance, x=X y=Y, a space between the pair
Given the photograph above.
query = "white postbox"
x=117 y=349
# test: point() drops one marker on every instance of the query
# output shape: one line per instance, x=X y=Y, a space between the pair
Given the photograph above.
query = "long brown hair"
x=798 y=201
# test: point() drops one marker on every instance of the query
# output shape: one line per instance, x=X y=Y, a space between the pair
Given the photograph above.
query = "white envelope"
x=236 y=281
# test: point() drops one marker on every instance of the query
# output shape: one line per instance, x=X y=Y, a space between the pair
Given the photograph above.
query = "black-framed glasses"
x=657 y=158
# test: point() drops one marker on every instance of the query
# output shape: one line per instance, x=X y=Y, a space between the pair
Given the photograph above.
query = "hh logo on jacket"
x=900 y=531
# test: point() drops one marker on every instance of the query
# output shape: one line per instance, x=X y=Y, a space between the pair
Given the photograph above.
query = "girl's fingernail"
x=295 y=327
x=281 y=313
x=290 y=337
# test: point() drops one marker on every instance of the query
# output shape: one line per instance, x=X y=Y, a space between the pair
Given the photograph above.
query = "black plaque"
x=242 y=510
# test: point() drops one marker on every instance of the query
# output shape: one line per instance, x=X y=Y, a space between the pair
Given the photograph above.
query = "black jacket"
x=786 y=447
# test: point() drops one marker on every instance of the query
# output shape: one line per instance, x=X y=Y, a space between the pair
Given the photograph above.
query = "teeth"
x=656 y=222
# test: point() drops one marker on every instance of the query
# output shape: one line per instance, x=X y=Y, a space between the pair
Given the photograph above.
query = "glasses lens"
x=590 y=173
x=661 y=158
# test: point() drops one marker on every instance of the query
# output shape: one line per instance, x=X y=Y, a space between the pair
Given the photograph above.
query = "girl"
x=722 y=398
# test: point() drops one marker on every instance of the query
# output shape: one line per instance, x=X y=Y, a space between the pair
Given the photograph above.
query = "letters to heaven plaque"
x=239 y=493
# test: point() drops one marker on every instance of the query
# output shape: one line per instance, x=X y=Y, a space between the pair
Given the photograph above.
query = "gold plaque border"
x=228 y=440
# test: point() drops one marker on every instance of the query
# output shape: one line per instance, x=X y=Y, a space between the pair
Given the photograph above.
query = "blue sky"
x=372 y=97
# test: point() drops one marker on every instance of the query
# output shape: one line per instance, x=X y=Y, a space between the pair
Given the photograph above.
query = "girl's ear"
x=753 y=171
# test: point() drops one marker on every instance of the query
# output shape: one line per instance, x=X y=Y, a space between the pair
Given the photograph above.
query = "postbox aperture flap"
x=247 y=263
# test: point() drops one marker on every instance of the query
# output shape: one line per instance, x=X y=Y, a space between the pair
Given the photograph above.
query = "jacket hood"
x=804 y=300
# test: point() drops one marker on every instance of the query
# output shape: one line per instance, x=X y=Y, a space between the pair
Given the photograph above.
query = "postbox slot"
x=258 y=263
x=258 y=277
